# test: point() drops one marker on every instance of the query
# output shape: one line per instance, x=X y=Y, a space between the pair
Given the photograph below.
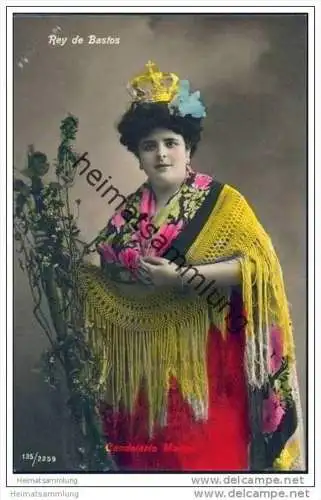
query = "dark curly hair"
x=142 y=118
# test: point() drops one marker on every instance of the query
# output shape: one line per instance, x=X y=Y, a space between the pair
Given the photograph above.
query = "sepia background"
x=251 y=72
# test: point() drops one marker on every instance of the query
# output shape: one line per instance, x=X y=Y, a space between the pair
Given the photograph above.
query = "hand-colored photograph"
x=160 y=243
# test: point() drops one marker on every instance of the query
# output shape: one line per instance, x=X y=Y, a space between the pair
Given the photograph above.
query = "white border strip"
x=9 y=244
x=158 y=480
x=173 y=7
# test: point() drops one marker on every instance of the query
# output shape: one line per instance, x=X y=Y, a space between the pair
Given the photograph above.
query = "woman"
x=188 y=315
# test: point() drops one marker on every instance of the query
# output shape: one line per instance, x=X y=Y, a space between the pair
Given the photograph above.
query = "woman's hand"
x=157 y=271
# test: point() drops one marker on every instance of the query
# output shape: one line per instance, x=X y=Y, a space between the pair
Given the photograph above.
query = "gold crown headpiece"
x=153 y=85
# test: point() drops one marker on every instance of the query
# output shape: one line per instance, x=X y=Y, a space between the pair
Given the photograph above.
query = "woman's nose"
x=161 y=151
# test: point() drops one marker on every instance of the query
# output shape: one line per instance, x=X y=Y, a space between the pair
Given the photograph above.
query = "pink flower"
x=107 y=252
x=147 y=202
x=276 y=349
x=118 y=220
x=167 y=234
x=202 y=181
x=273 y=412
x=129 y=257
x=146 y=230
x=135 y=238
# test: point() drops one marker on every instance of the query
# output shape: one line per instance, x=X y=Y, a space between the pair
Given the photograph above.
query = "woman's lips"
x=162 y=166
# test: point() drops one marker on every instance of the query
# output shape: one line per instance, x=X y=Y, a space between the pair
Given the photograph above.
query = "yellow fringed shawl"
x=145 y=340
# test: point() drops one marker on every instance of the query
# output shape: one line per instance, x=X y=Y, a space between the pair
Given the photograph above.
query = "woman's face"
x=163 y=156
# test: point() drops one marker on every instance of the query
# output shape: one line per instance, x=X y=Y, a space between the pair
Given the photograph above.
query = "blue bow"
x=187 y=104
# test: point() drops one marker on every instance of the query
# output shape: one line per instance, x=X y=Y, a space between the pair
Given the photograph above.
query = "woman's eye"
x=148 y=147
x=170 y=144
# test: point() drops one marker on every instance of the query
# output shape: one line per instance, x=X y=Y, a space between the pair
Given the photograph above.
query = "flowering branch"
x=51 y=266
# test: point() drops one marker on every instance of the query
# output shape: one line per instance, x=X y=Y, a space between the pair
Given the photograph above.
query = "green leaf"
x=27 y=172
x=36 y=185
x=37 y=165
x=175 y=211
x=20 y=186
x=20 y=203
x=69 y=127
x=66 y=179
x=55 y=186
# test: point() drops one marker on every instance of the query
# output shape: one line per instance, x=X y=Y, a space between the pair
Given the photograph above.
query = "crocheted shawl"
x=146 y=339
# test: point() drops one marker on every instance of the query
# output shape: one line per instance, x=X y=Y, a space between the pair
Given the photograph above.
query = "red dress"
x=219 y=444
